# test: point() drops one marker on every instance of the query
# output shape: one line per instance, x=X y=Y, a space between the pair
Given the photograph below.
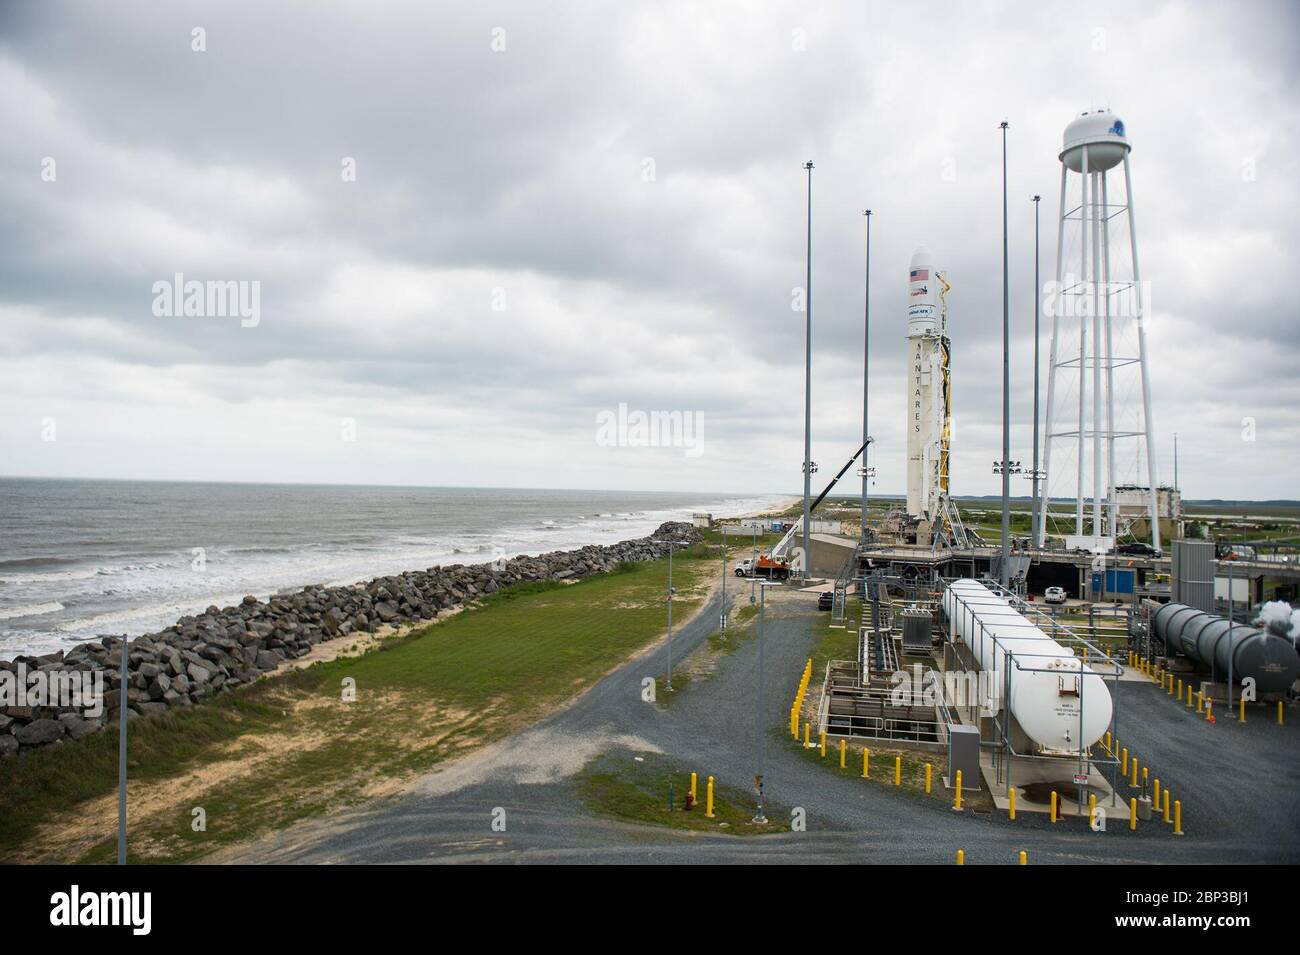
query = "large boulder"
x=39 y=732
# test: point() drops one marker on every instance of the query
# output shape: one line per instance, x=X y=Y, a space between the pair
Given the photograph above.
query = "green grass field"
x=288 y=748
x=624 y=787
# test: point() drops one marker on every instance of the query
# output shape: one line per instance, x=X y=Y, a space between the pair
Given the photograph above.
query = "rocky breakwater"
x=70 y=694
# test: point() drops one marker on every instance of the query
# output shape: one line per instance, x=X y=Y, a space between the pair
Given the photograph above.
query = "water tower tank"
x=1103 y=133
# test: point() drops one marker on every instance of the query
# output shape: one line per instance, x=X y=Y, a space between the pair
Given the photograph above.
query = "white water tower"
x=1099 y=352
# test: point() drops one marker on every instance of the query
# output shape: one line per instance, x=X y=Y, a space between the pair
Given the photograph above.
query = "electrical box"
x=963 y=754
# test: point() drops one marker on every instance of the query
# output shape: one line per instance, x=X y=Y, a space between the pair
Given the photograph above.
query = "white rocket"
x=929 y=415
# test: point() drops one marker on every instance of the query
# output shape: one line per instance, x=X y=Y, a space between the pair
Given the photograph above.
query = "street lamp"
x=808 y=466
x=672 y=591
x=865 y=472
x=1035 y=474
x=759 y=727
x=1006 y=469
x=722 y=547
x=1006 y=377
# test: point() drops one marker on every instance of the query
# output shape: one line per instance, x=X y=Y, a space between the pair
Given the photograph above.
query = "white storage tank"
x=1060 y=703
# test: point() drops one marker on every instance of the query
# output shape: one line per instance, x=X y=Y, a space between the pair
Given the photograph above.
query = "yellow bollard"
x=1180 y=691
x=1011 y=807
x=1170 y=684
x=898 y=770
x=1123 y=762
x=1135 y=772
x=1092 y=810
x=844 y=751
x=1133 y=813
x=1279 y=713
x=823 y=744
x=866 y=763
x=1200 y=701
x=1024 y=857
x=961 y=857
x=1155 y=793
x=1053 y=807
x=956 y=804
x=1209 y=710
x=928 y=769
x=1178 y=818
x=1167 y=805
x=694 y=796
x=1108 y=742
x=1242 y=717
x=1190 y=701
x=807 y=729
x=1144 y=777
x=708 y=799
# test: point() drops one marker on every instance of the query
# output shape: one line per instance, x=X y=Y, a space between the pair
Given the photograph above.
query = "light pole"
x=722 y=546
x=865 y=470
x=1006 y=469
x=121 y=760
x=759 y=818
x=1035 y=475
x=668 y=684
x=807 y=395
x=1006 y=381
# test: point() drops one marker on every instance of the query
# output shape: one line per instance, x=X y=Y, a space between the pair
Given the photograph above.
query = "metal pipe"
x=1113 y=504
x=1083 y=341
x=1140 y=319
x=1097 y=529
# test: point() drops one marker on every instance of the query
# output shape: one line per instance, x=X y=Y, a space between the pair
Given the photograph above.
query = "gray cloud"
x=522 y=173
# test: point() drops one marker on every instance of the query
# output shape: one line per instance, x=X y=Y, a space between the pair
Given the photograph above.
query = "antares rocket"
x=929 y=428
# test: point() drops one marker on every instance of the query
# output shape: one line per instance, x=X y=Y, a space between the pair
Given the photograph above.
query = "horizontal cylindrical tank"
x=1244 y=651
x=1060 y=702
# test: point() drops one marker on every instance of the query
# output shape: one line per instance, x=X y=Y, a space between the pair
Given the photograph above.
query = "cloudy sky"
x=476 y=227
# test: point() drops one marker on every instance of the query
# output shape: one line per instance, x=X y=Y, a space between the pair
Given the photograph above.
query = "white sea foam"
x=142 y=592
x=30 y=610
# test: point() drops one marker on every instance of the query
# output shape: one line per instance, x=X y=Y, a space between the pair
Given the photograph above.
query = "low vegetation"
x=638 y=787
x=290 y=747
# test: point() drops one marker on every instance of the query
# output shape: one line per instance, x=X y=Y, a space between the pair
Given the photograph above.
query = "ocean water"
x=80 y=559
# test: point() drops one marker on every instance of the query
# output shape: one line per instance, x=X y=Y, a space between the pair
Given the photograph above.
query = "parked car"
x=825 y=600
x=1054 y=595
x=1137 y=549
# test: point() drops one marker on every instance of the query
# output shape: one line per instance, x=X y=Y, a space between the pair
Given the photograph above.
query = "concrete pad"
x=1026 y=772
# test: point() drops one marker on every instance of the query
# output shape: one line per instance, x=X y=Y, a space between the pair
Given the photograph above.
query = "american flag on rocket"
x=920 y=275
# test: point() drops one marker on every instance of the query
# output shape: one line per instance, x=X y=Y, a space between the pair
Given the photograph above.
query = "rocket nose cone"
x=922 y=256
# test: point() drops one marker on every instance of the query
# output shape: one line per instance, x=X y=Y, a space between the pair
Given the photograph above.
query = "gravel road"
x=1238 y=783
